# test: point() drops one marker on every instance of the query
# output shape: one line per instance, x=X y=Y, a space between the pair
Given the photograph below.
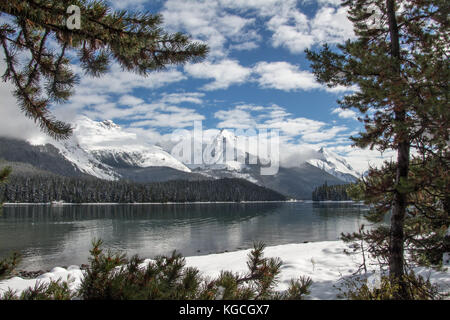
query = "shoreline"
x=11 y=204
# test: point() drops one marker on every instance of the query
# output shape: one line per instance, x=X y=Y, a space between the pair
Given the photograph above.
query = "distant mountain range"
x=110 y=153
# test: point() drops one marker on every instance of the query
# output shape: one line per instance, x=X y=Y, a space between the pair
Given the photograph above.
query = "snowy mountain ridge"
x=334 y=165
x=324 y=159
x=102 y=149
x=96 y=148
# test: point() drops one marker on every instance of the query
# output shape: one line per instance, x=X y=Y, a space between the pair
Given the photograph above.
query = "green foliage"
x=427 y=219
x=36 y=43
x=332 y=192
x=8 y=265
x=54 y=290
x=418 y=288
x=4 y=174
x=112 y=276
x=298 y=288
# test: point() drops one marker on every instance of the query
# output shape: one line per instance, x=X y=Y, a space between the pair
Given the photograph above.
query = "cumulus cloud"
x=344 y=113
x=121 y=81
x=361 y=159
x=129 y=100
x=13 y=123
x=176 y=98
x=276 y=117
x=235 y=118
x=208 y=21
x=231 y=24
x=284 y=76
x=295 y=31
x=225 y=73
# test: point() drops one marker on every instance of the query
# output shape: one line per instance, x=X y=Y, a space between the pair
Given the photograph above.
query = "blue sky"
x=256 y=76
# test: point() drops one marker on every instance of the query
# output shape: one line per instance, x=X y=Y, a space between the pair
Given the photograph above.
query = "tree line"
x=327 y=192
x=44 y=188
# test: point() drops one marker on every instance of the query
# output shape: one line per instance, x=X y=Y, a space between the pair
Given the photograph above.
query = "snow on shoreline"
x=325 y=262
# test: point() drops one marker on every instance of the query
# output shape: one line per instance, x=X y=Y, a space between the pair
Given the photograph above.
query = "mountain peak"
x=109 y=124
x=334 y=165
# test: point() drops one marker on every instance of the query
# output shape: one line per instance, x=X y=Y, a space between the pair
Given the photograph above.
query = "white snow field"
x=325 y=262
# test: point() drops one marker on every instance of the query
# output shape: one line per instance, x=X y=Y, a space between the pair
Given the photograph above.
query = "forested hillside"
x=331 y=192
x=41 y=188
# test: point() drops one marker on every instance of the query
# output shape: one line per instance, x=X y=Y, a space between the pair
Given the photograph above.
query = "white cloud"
x=208 y=21
x=120 y=81
x=276 y=117
x=13 y=123
x=128 y=100
x=180 y=118
x=293 y=30
x=323 y=134
x=225 y=73
x=128 y=4
x=344 y=113
x=235 y=118
x=250 y=45
x=331 y=25
x=284 y=76
x=335 y=3
x=176 y=98
x=360 y=159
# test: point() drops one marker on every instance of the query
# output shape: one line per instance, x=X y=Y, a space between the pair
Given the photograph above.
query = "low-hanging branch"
x=35 y=41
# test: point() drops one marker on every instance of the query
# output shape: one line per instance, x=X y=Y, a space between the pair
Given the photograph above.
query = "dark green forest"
x=331 y=193
x=47 y=188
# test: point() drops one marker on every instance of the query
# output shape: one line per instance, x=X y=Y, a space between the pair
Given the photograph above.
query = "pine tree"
x=37 y=38
x=399 y=63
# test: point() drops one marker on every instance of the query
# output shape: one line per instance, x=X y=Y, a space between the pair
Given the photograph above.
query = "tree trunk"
x=396 y=248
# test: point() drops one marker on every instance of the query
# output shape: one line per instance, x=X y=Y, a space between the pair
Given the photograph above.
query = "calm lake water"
x=49 y=236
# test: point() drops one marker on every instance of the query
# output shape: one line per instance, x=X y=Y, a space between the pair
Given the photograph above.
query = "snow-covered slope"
x=106 y=140
x=100 y=148
x=214 y=157
x=334 y=165
x=85 y=161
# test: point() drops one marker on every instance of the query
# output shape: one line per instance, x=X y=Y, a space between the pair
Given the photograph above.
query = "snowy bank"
x=325 y=262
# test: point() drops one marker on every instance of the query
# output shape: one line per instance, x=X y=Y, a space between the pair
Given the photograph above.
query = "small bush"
x=54 y=290
x=8 y=265
x=417 y=288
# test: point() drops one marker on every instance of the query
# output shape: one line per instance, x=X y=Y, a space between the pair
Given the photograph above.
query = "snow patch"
x=325 y=262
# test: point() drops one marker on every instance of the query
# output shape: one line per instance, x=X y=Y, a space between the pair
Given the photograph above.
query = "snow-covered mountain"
x=100 y=149
x=297 y=181
x=84 y=161
x=107 y=151
x=334 y=165
x=324 y=159
x=109 y=143
x=214 y=154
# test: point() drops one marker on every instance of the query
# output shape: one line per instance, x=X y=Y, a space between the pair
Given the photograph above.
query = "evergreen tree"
x=38 y=36
x=399 y=63
x=333 y=193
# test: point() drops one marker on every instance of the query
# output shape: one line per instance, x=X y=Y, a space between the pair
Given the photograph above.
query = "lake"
x=49 y=236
